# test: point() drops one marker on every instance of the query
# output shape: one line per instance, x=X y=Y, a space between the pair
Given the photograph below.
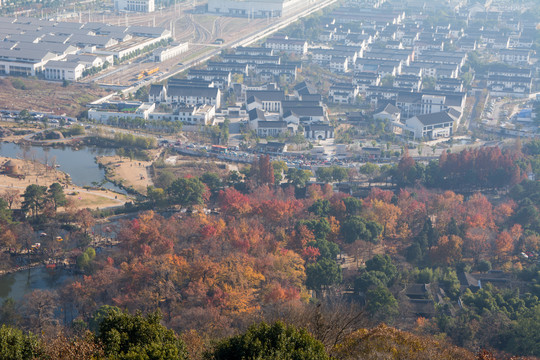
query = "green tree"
x=525 y=335
x=368 y=280
x=8 y=313
x=280 y=167
x=339 y=173
x=381 y=304
x=352 y=205
x=357 y=228
x=324 y=174
x=298 y=177
x=56 y=195
x=212 y=180
x=34 y=199
x=321 y=207
x=324 y=272
x=270 y=342
x=15 y=345
x=155 y=195
x=165 y=179
x=187 y=191
x=126 y=336
x=382 y=263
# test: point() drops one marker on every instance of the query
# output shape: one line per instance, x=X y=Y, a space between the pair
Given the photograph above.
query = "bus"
x=219 y=149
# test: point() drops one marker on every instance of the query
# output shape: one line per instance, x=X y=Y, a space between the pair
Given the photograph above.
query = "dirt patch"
x=40 y=95
x=130 y=173
x=182 y=166
x=26 y=173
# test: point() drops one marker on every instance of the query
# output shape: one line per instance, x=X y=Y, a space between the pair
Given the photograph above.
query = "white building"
x=268 y=100
x=63 y=70
x=293 y=46
x=431 y=126
x=253 y=8
x=142 y=110
x=192 y=115
x=145 y=6
x=163 y=54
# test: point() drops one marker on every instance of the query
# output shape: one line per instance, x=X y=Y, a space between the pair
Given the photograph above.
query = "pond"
x=21 y=283
x=79 y=164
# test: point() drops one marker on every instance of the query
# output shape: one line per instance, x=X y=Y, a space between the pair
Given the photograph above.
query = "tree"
x=15 y=345
x=270 y=342
x=324 y=174
x=382 y=263
x=381 y=304
x=56 y=195
x=356 y=228
x=298 y=177
x=212 y=180
x=34 y=199
x=126 y=336
x=352 y=205
x=12 y=197
x=339 y=173
x=447 y=251
x=280 y=167
x=526 y=333
x=324 y=272
x=320 y=207
x=155 y=195
x=187 y=192
x=369 y=170
x=8 y=313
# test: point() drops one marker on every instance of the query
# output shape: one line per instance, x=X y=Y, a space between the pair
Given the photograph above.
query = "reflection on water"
x=79 y=164
x=18 y=284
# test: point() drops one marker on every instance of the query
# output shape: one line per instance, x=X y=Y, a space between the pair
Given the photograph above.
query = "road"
x=203 y=35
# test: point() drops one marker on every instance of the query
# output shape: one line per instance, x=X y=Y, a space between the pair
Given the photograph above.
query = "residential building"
x=185 y=95
x=515 y=56
x=388 y=112
x=268 y=100
x=189 y=115
x=222 y=79
x=343 y=93
x=428 y=102
x=431 y=126
x=126 y=109
x=295 y=46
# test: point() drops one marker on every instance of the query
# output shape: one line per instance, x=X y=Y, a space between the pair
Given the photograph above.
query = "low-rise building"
x=388 y=112
x=126 y=109
x=63 y=70
x=319 y=131
x=222 y=79
x=294 y=46
x=189 y=115
x=339 y=64
x=343 y=93
x=515 y=56
x=268 y=100
x=431 y=126
x=163 y=54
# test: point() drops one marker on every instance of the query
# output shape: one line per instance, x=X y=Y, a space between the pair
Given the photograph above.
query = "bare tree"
x=12 y=197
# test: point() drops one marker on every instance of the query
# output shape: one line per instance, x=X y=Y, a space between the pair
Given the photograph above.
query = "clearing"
x=46 y=96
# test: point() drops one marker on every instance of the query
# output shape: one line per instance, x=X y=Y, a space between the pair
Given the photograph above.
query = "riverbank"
x=21 y=173
x=133 y=175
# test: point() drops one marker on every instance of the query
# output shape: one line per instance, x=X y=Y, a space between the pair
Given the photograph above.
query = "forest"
x=249 y=257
